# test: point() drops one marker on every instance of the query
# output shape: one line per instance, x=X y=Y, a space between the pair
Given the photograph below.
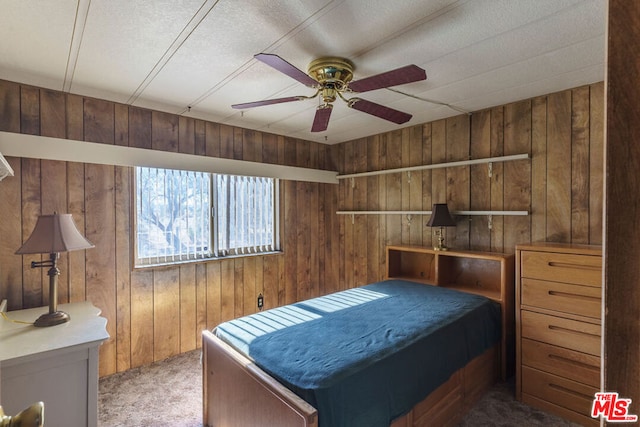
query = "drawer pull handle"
x=576 y=266
x=569 y=391
x=573 y=331
x=574 y=362
x=571 y=295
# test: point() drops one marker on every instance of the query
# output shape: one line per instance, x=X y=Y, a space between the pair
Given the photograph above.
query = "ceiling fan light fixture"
x=329 y=93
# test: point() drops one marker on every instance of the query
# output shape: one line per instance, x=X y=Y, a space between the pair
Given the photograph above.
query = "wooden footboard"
x=238 y=393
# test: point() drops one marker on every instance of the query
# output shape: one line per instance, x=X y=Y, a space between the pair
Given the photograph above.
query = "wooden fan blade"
x=321 y=120
x=378 y=110
x=399 y=76
x=286 y=68
x=267 y=102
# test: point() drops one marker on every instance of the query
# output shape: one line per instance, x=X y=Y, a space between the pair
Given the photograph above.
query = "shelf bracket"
x=408 y=177
x=353 y=219
x=353 y=182
x=490 y=166
x=409 y=218
x=490 y=222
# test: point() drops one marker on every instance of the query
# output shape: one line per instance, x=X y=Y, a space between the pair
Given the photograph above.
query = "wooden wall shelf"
x=409 y=214
x=488 y=160
x=463 y=213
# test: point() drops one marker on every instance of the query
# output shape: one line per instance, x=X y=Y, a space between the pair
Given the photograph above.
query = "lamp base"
x=52 y=319
x=441 y=246
x=33 y=416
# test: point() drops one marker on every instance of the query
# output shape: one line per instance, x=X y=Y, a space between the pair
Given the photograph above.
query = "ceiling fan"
x=331 y=77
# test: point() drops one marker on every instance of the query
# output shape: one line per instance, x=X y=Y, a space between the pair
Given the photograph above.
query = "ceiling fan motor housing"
x=333 y=74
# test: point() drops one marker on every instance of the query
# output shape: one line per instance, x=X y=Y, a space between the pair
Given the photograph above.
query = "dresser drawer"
x=580 y=336
x=563 y=297
x=580 y=367
x=561 y=391
x=560 y=267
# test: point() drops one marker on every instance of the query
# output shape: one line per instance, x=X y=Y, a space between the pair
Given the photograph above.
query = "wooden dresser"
x=558 y=328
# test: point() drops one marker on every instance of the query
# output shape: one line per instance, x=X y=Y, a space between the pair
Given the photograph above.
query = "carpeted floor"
x=169 y=393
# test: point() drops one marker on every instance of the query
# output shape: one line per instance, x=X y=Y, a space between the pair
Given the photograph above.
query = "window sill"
x=202 y=260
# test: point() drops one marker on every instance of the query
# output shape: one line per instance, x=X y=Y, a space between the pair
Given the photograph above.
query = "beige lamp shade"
x=53 y=234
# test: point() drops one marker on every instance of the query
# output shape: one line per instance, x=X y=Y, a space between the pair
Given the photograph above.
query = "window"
x=184 y=215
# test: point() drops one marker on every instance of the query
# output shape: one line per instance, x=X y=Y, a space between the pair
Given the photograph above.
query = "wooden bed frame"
x=238 y=393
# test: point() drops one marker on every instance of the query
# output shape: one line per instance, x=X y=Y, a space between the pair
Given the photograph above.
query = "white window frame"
x=214 y=251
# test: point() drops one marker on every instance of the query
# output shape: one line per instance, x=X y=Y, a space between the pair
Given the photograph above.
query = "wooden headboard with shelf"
x=484 y=273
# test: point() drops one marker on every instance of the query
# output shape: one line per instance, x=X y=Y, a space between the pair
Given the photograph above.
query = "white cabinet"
x=57 y=365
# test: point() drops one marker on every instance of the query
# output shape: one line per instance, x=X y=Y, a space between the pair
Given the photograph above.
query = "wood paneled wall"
x=561 y=185
x=152 y=313
x=156 y=313
x=621 y=343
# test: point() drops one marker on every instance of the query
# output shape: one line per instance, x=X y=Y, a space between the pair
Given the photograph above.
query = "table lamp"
x=53 y=234
x=440 y=217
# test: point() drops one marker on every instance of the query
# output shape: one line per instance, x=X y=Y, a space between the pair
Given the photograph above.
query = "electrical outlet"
x=260 y=301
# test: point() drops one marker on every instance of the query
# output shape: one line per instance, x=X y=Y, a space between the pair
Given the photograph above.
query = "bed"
x=394 y=353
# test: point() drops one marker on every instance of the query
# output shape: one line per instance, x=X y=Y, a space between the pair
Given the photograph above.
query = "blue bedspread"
x=366 y=356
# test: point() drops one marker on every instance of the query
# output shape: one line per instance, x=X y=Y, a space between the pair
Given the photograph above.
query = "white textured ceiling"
x=170 y=55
